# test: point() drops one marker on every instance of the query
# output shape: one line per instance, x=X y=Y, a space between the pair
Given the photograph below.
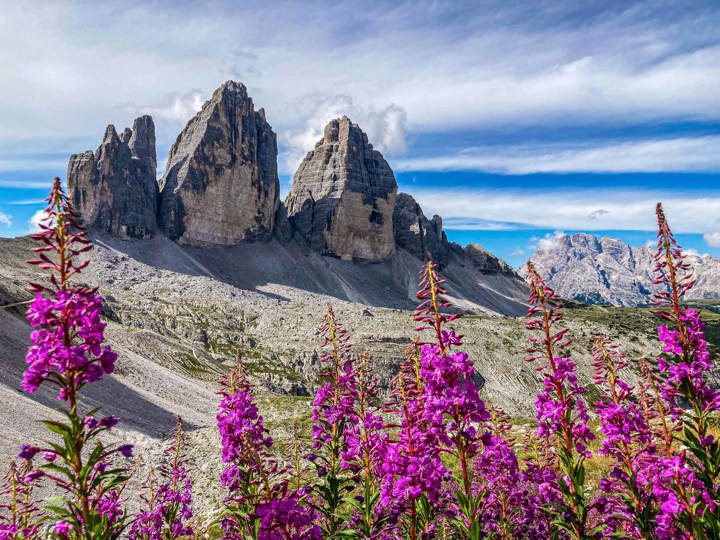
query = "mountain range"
x=593 y=270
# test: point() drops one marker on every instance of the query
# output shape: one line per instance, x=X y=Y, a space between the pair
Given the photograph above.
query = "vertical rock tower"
x=220 y=184
x=343 y=195
x=115 y=189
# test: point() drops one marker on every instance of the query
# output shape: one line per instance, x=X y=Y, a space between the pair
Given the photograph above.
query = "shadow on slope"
x=275 y=270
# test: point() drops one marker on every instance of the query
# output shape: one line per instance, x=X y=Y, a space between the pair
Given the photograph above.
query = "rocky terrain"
x=177 y=315
x=595 y=270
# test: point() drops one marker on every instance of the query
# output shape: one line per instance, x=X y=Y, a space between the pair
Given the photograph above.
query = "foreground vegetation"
x=432 y=461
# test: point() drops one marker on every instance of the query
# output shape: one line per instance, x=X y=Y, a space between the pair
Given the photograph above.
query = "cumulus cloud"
x=549 y=242
x=692 y=252
x=712 y=239
x=386 y=128
x=5 y=219
x=35 y=221
x=175 y=108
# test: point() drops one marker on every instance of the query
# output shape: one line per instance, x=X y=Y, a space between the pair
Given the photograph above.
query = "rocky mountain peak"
x=343 y=196
x=605 y=270
x=220 y=184
x=115 y=189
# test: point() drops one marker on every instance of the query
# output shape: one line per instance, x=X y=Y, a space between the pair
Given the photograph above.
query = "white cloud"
x=712 y=239
x=661 y=155
x=694 y=253
x=550 y=241
x=568 y=209
x=26 y=202
x=512 y=65
x=37 y=218
x=175 y=108
x=386 y=129
x=5 y=219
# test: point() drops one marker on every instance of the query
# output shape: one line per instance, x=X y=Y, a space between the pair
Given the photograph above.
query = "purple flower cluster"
x=169 y=507
x=285 y=518
x=243 y=435
x=259 y=500
x=67 y=341
x=687 y=374
x=453 y=407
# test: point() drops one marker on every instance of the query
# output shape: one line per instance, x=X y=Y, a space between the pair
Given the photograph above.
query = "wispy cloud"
x=25 y=184
x=571 y=209
x=659 y=155
x=26 y=202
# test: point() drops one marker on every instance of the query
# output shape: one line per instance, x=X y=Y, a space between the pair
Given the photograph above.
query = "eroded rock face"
x=220 y=184
x=115 y=189
x=596 y=270
x=420 y=236
x=343 y=196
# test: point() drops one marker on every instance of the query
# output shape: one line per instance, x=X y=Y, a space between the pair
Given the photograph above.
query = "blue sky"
x=513 y=122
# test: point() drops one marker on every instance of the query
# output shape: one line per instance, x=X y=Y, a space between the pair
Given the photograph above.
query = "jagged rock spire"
x=115 y=189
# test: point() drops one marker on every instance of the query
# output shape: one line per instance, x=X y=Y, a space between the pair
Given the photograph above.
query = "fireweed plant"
x=261 y=504
x=561 y=412
x=68 y=353
x=168 y=505
x=20 y=517
x=335 y=427
x=433 y=461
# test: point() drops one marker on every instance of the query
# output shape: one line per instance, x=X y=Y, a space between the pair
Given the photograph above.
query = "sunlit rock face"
x=596 y=270
x=343 y=196
x=220 y=184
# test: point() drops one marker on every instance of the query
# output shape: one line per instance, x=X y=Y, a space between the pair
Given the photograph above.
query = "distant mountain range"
x=585 y=268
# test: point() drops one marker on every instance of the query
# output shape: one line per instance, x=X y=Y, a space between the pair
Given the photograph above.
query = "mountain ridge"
x=585 y=268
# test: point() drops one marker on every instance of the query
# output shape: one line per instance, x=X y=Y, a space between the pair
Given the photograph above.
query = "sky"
x=514 y=121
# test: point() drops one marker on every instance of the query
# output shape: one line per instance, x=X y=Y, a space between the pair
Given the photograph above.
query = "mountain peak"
x=343 y=196
x=221 y=184
x=606 y=270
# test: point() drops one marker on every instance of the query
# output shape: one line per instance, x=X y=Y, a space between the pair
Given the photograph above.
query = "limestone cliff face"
x=220 y=184
x=418 y=235
x=115 y=189
x=343 y=196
